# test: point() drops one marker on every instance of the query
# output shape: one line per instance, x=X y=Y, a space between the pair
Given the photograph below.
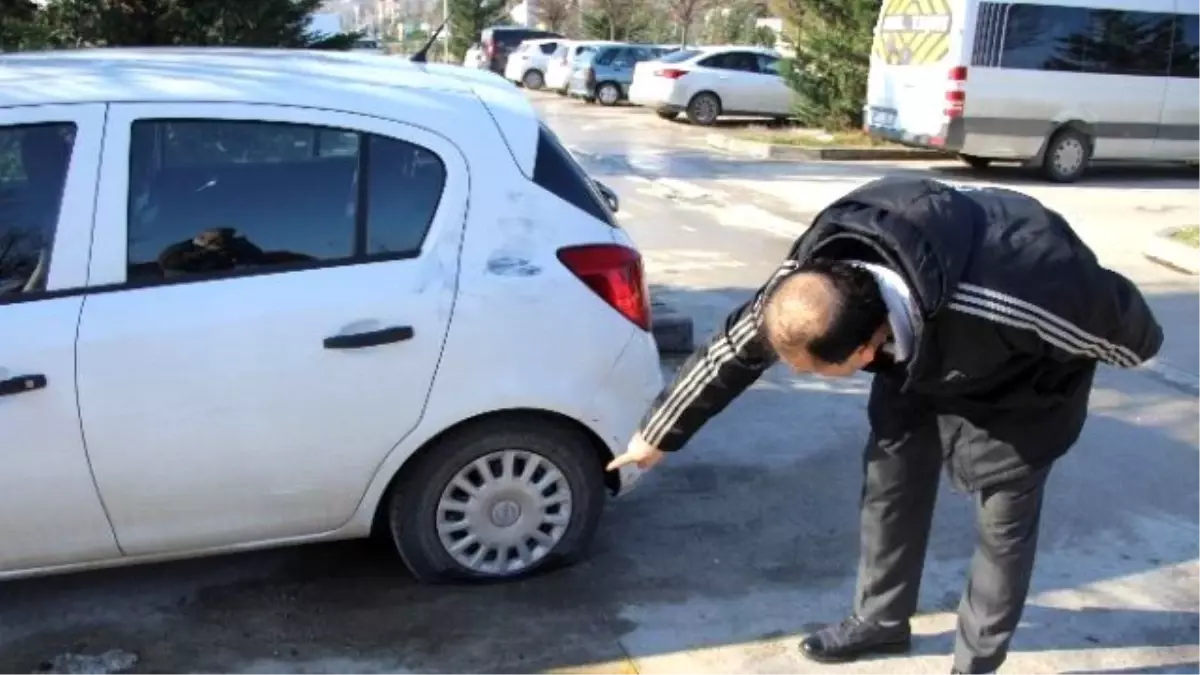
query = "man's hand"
x=639 y=452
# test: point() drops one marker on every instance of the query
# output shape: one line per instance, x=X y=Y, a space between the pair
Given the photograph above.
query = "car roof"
x=714 y=49
x=356 y=82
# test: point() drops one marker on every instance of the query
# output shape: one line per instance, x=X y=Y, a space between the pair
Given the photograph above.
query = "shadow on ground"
x=749 y=534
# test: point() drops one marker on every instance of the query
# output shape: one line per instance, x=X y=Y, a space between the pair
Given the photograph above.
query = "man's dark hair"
x=830 y=320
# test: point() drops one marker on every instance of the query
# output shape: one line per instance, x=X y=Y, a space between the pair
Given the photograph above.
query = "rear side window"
x=557 y=171
x=742 y=61
x=34 y=160
x=549 y=47
x=212 y=197
x=606 y=56
x=680 y=56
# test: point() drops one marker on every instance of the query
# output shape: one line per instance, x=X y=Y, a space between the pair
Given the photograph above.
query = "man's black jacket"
x=1015 y=312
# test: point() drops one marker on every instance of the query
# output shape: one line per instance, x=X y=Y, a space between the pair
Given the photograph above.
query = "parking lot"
x=748 y=539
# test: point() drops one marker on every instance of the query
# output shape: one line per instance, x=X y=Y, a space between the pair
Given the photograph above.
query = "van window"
x=1079 y=39
x=1129 y=43
x=1045 y=37
x=1186 y=51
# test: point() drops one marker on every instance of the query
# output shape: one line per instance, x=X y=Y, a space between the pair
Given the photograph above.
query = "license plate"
x=883 y=118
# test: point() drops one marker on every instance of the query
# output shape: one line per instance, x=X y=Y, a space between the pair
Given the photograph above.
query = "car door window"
x=548 y=48
x=214 y=197
x=33 y=171
x=718 y=61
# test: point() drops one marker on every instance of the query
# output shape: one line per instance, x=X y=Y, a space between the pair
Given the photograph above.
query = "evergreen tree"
x=833 y=50
x=250 y=23
x=467 y=20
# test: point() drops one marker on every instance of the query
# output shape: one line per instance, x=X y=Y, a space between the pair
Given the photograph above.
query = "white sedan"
x=708 y=82
x=366 y=295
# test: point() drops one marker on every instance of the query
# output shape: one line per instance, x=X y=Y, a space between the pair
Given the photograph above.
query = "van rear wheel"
x=976 y=162
x=1067 y=155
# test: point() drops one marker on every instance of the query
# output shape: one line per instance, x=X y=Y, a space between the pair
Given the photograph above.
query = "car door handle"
x=372 y=338
x=22 y=384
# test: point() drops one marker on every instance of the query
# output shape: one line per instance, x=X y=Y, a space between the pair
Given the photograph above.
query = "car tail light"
x=615 y=274
x=956 y=92
x=489 y=48
x=670 y=73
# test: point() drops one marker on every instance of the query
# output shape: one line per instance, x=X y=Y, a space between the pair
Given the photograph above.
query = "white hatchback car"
x=253 y=297
x=528 y=63
x=708 y=82
x=562 y=62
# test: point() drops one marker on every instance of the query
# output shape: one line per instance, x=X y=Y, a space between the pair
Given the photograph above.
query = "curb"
x=1162 y=250
x=673 y=332
x=760 y=150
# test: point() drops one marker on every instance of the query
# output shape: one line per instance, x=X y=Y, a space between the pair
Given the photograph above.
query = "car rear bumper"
x=653 y=94
x=623 y=398
x=557 y=77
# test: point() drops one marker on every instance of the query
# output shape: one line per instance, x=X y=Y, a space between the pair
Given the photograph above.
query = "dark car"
x=500 y=41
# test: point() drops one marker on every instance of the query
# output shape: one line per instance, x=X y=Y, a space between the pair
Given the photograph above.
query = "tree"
x=554 y=14
x=250 y=23
x=467 y=20
x=18 y=27
x=616 y=20
x=829 y=71
x=684 y=12
x=735 y=23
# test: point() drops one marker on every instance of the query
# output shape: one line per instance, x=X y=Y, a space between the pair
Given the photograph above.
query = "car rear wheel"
x=533 y=79
x=704 y=109
x=608 y=94
x=500 y=499
x=667 y=114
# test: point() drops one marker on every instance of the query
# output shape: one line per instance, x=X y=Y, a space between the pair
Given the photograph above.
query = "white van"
x=1051 y=84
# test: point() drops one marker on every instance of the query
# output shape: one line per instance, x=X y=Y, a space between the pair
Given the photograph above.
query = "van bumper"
x=950 y=138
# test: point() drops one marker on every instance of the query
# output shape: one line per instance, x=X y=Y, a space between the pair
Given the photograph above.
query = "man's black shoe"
x=855 y=638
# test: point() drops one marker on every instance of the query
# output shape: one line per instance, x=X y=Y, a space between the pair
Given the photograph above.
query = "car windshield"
x=679 y=56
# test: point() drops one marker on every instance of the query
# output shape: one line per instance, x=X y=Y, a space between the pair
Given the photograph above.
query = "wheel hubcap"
x=705 y=109
x=608 y=94
x=504 y=512
x=1068 y=156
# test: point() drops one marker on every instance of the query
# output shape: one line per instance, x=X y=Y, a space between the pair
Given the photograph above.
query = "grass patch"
x=1188 y=236
x=812 y=138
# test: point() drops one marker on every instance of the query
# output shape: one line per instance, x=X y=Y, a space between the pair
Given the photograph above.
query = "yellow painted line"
x=621 y=667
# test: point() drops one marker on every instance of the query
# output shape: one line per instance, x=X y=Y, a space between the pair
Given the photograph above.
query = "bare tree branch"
x=683 y=12
x=555 y=14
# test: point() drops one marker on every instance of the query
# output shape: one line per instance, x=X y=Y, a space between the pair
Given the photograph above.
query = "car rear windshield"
x=556 y=170
x=679 y=56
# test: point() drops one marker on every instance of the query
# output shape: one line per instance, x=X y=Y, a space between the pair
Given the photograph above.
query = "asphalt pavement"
x=731 y=550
